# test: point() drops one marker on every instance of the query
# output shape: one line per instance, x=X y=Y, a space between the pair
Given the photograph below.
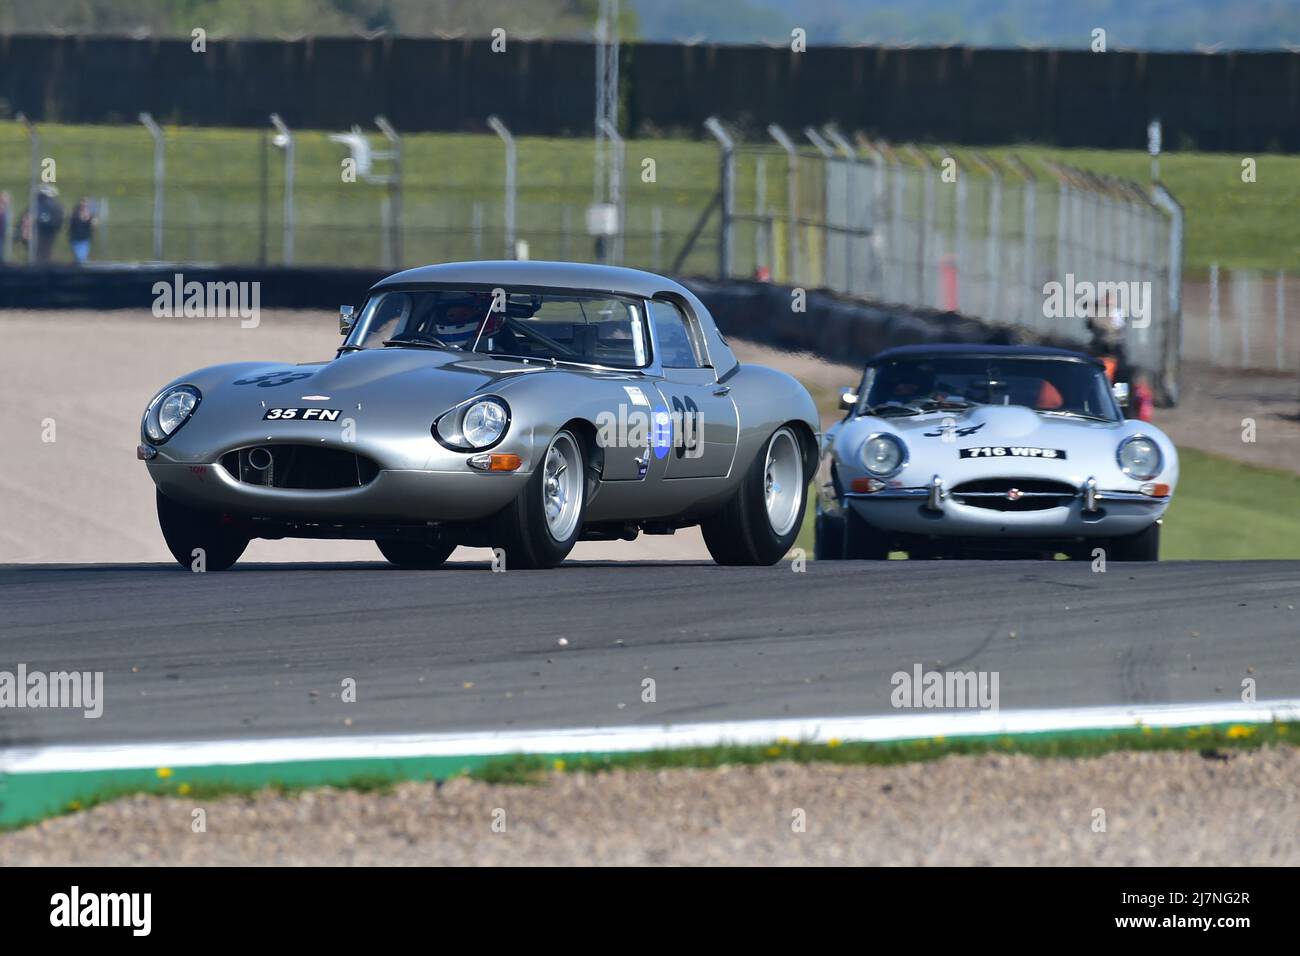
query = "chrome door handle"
x=722 y=390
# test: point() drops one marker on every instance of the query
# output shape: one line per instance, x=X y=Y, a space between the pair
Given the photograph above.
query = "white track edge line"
x=63 y=758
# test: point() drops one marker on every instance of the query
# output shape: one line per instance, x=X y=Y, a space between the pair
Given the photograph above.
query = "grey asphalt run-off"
x=263 y=651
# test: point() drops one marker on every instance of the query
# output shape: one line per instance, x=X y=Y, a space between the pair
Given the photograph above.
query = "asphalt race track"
x=262 y=650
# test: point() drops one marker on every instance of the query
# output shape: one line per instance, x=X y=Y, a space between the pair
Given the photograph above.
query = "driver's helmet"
x=457 y=317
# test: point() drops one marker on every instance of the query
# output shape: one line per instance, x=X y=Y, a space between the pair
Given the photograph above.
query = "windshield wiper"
x=1073 y=414
x=429 y=343
x=953 y=403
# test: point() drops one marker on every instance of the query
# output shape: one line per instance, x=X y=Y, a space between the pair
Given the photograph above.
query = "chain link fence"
x=1240 y=319
x=1044 y=252
x=988 y=239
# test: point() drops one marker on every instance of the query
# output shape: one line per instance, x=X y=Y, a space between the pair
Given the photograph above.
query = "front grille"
x=303 y=467
x=1014 y=494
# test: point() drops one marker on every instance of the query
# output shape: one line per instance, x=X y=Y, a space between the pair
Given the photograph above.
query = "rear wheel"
x=415 y=554
x=761 y=521
x=540 y=527
x=1143 y=546
x=193 y=534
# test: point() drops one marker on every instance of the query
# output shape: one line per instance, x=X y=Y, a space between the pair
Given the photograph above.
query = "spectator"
x=81 y=229
x=49 y=220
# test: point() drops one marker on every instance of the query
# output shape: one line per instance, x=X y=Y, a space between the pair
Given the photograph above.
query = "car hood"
x=390 y=394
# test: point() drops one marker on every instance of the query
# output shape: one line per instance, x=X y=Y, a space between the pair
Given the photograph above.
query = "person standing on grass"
x=81 y=229
x=49 y=220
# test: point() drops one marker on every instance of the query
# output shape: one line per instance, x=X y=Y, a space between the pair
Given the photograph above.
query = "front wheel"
x=199 y=540
x=761 y=521
x=415 y=555
x=862 y=542
x=540 y=527
x=828 y=538
x=1143 y=546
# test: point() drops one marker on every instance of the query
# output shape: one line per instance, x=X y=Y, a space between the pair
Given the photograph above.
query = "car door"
x=697 y=425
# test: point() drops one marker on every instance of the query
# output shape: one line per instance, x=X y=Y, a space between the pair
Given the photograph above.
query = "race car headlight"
x=1139 y=457
x=473 y=427
x=169 y=411
x=883 y=455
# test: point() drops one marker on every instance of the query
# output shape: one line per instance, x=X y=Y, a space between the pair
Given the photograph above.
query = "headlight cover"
x=1139 y=457
x=475 y=426
x=168 y=411
x=883 y=455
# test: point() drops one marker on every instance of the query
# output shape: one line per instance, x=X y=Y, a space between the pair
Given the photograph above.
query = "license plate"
x=1012 y=451
x=302 y=415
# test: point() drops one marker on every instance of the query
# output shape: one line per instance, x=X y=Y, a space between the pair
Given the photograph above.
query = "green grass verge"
x=1223 y=510
x=1211 y=741
x=28 y=798
x=215 y=176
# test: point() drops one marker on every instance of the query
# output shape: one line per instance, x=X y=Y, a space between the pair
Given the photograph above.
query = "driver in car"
x=911 y=381
x=456 y=318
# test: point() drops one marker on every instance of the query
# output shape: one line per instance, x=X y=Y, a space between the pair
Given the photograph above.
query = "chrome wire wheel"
x=783 y=481
x=562 y=486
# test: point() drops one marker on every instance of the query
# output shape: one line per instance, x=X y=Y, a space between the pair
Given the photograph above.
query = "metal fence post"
x=158 y=177
x=657 y=232
x=851 y=229
x=1029 y=241
x=791 y=201
x=960 y=221
x=616 y=187
x=284 y=140
x=394 y=153
x=827 y=154
x=993 y=251
x=727 y=189
x=875 y=214
x=1174 y=335
x=1216 y=330
x=1279 y=331
x=499 y=128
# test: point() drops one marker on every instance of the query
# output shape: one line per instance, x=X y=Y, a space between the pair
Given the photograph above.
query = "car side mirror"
x=848 y=399
x=347 y=319
x=1120 y=391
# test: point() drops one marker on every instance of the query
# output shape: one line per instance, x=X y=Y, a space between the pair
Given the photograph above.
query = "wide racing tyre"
x=761 y=521
x=415 y=555
x=828 y=538
x=862 y=542
x=1143 y=546
x=541 y=526
x=187 y=530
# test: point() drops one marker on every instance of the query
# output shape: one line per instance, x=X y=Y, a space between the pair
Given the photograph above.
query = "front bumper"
x=393 y=495
x=931 y=510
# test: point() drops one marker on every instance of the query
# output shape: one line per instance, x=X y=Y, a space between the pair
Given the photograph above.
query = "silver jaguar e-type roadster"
x=522 y=406
x=959 y=450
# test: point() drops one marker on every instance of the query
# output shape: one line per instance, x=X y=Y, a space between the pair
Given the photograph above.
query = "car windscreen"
x=566 y=327
x=1043 y=384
